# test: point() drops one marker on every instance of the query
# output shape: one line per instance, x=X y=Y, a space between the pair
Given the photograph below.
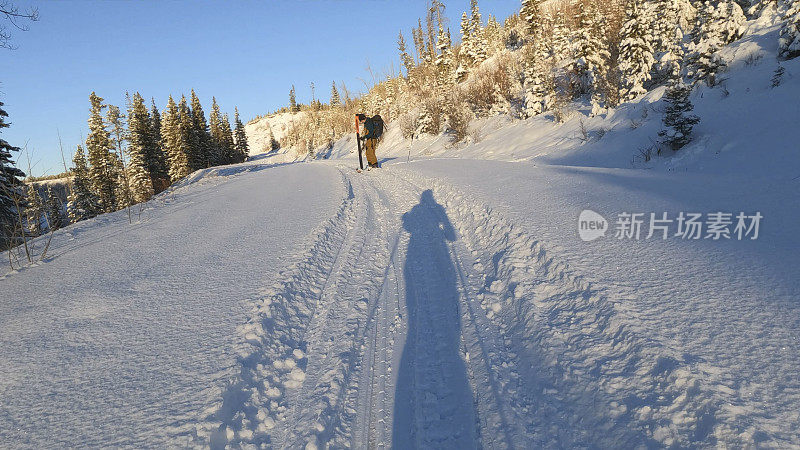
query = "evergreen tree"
x=591 y=63
x=665 y=20
x=466 y=42
x=83 y=203
x=678 y=121
x=419 y=40
x=175 y=139
x=479 y=44
x=156 y=156
x=561 y=37
x=54 y=214
x=531 y=14
x=242 y=149
x=789 y=41
x=538 y=76
x=635 y=54
x=405 y=58
x=10 y=183
x=335 y=100
x=103 y=163
x=228 y=144
x=217 y=139
x=122 y=190
x=34 y=211
x=444 y=62
x=139 y=138
x=293 y=100
x=273 y=143
x=203 y=154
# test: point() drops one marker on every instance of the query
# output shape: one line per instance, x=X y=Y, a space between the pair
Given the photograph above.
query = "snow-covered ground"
x=445 y=302
x=442 y=303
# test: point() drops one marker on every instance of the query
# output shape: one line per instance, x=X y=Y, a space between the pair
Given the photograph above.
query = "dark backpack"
x=374 y=126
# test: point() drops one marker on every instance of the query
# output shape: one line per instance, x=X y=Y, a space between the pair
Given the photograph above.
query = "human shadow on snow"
x=433 y=402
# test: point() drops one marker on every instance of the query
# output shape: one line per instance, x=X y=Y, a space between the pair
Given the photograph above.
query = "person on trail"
x=373 y=129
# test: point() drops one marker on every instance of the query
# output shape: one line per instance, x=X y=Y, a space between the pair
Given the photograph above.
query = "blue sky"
x=246 y=53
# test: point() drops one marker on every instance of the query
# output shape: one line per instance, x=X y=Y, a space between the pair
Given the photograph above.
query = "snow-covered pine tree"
x=531 y=14
x=10 y=183
x=273 y=143
x=678 y=120
x=54 y=214
x=419 y=40
x=664 y=19
x=538 y=75
x=335 y=99
x=123 y=195
x=228 y=143
x=103 y=163
x=293 y=100
x=203 y=154
x=34 y=210
x=444 y=61
x=82 y=201
x=242 y=149
x=561 y=48
x=789 y=41
x=139 y=136
x=492 y=36
x=479 y=45
x=174 y=137
x=156 y=156
x=221 y=154
x=405 y=58
x=635 y=54
x=591 y=54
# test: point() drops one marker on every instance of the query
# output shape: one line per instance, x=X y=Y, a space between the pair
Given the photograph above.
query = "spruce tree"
x=123 y=195
x=139 y=142
x=335 y=100
x=103 y=163
x=10 y=183
x=591 y=63
x=789 y=40
x=228 y=144
x=678 y=121
x=293 y=100
x=538 y=76
x=34 y=211
x=405 y=58
x=635 y=54
x=444 y=61
x=156 y=156
x=83 y=203
x=479 y=45
x=466 y=42
x=54 y=214
x=531 y=15
x=217 y=139
x=204 y=154
x=174 y=137
x=242 y=149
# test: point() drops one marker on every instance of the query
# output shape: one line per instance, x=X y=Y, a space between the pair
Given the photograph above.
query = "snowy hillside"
x=258 y=131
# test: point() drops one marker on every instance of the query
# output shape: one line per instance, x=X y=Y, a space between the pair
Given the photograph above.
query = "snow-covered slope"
x=258 y=131
x=746 y=125
x=441 y=303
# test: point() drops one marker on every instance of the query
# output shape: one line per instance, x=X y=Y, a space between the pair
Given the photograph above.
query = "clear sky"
x=246 y=53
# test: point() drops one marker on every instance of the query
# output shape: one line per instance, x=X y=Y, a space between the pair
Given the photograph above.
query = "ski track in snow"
x=392 y=331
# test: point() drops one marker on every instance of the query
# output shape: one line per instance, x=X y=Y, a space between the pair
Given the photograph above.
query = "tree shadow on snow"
x=433 y=400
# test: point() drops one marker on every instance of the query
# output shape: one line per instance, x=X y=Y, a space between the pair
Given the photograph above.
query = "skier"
x=373 y=129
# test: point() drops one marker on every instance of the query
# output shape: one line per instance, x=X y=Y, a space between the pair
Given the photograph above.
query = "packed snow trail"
x=421 y=318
